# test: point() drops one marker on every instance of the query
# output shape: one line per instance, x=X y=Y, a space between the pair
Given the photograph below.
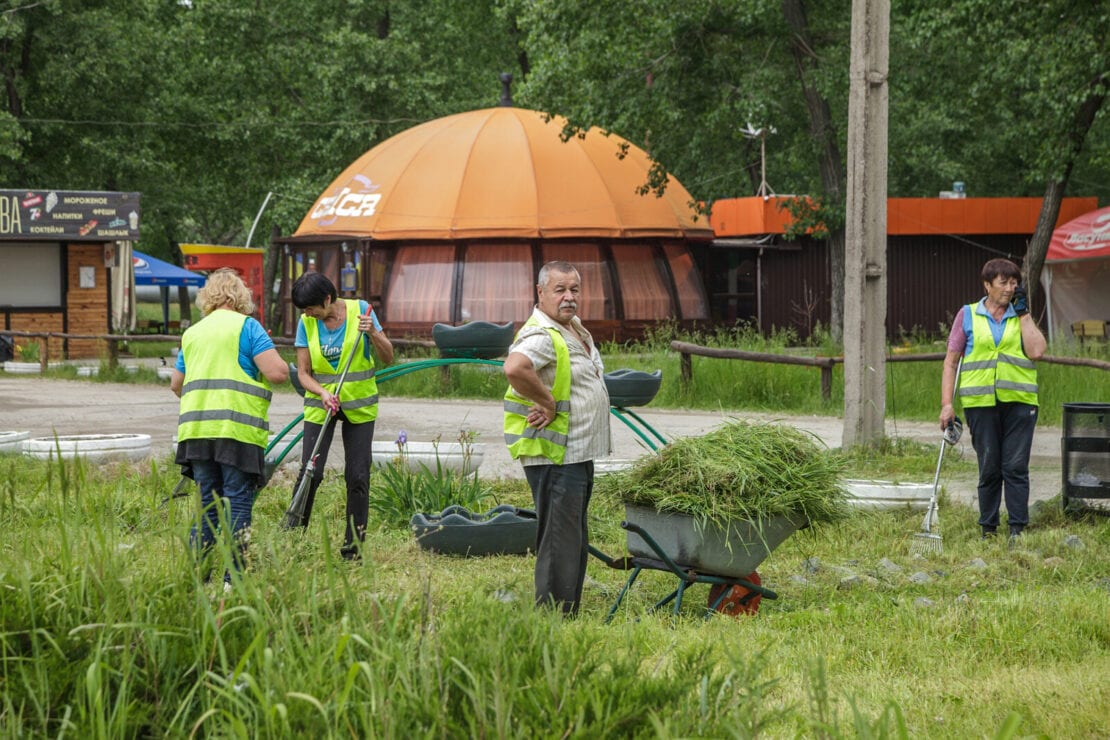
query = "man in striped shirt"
x=557 y=438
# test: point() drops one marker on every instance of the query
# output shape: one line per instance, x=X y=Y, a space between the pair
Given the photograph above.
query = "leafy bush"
x=398 y=491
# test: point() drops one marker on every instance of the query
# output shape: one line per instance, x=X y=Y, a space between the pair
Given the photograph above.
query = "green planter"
x=481 y=340
x=505 y=530
x=632 y=387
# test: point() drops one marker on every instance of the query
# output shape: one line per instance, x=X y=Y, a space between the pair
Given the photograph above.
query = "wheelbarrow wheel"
x=738 y=599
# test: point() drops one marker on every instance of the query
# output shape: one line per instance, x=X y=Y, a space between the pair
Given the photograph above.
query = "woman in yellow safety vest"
x=330 y=329
x=994 y=343
x=222 y=376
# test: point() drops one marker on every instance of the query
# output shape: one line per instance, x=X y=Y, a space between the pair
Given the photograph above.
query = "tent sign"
x=69 y=215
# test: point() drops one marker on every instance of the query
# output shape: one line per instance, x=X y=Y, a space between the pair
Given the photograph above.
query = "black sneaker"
x=988 y=533
x=350 y=552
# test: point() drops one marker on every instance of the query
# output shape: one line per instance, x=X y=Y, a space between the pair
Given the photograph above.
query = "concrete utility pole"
x=865 y=230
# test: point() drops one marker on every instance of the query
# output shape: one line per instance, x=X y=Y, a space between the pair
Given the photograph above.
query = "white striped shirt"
x=588 y=437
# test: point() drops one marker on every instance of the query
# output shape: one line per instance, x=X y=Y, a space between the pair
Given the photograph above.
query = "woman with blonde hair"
x=222 y=376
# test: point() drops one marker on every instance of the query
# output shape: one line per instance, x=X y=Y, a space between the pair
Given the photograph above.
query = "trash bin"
x=1085 y=447
x=7 y=349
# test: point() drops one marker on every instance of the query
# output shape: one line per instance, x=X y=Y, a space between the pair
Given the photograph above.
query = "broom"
x=927 y=541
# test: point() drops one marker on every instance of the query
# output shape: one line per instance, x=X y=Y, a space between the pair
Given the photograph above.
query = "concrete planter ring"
x=882 y=494
x=12 y=442
x=418 y=455
x=91 y=447
x=605 y=465
x=24 y=368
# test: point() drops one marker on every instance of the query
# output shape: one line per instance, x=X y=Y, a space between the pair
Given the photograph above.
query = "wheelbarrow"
x=724 y=559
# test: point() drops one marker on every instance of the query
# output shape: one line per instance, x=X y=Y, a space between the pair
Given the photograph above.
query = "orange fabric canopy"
x=501 y=172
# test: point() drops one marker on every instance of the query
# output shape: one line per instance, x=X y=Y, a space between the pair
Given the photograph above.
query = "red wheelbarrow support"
x=744 y=592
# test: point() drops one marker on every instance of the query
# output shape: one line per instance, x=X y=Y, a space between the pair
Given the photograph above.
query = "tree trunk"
x=829 y=162
x=1054 y=191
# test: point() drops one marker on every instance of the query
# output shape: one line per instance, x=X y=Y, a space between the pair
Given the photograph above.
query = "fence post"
x=687 y=367
x=826 y=381
x=113 y=353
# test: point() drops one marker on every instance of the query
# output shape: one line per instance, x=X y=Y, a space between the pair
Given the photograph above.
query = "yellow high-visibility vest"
x=359 y=395
x=551 y=441
x=996 y=373
x=219 y=400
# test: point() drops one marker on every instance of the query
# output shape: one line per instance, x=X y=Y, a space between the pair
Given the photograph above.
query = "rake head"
x=927 y=543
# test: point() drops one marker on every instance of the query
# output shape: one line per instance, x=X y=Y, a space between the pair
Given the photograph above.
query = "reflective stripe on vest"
x=359 y=395
x=551 y=441
x=218 y=399
x=990 y=374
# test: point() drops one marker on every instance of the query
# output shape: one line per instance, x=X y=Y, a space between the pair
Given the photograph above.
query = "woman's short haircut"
x=311 y=289
x=999 y=267
x=225 y=287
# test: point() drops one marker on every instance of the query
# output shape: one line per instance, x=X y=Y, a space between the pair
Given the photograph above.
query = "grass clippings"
x=742 y=470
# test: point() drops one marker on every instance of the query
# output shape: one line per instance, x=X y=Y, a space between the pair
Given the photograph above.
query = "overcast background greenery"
x=205 y=106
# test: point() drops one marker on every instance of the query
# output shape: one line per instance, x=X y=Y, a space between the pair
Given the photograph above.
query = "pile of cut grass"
x=742 y=470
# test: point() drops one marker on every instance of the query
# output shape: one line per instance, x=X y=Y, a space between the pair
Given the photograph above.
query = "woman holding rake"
x=330 y=330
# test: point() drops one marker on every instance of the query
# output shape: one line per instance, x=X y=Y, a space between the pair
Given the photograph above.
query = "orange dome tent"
x=449 y=220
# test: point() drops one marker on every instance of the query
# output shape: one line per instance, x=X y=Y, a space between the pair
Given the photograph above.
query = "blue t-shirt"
x=253 y=340
x=331 y=340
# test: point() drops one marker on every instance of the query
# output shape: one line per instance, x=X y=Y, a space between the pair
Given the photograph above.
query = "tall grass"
x=107 y=630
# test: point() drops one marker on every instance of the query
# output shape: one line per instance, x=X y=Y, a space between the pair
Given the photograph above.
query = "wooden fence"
x=826 y=364
x=685 y=350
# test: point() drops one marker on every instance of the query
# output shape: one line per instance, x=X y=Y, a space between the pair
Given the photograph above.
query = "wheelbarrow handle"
x=624 y=563
x=632 y=527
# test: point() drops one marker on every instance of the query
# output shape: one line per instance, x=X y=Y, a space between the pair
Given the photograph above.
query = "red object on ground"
x=731 y=604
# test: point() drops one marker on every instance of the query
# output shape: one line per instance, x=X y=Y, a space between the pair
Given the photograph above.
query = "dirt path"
x=44 y=407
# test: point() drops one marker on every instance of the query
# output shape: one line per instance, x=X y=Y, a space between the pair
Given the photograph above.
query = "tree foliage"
x=205 y=106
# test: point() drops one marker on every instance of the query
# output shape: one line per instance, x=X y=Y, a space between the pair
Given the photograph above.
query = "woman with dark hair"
x=994 y=343
x=222 y=376
x=330 y=330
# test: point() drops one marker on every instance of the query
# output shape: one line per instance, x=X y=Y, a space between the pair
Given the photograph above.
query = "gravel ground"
x=44 y=407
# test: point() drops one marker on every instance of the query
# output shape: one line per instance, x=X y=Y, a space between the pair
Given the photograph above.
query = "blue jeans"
x=227 y=487
x=1002 y=436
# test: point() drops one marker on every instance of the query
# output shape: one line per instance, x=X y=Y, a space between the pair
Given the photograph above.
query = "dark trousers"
x=357 y=453
x=1002 y=436
x=561 y=494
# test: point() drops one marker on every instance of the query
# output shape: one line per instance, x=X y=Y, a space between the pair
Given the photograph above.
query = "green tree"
x=205 y=106
x=1005 y=96
x=1041 y=73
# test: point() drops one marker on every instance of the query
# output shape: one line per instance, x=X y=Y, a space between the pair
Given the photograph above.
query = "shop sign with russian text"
x=69 y=215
